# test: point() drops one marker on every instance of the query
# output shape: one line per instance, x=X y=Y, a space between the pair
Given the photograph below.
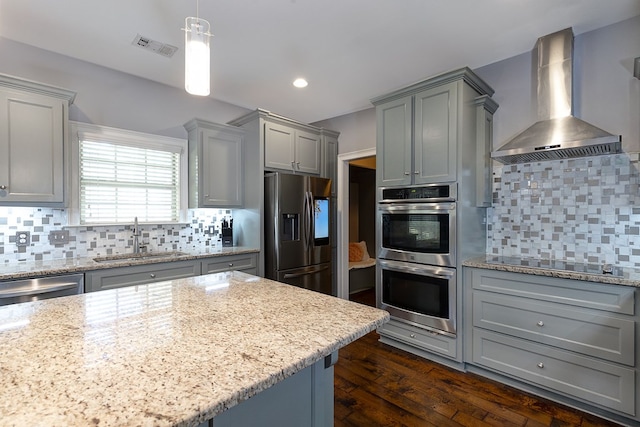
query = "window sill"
x=125 y=224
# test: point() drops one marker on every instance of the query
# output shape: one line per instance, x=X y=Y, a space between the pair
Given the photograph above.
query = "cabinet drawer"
x=139 y=275
x=418 y=337
x=612 y=298
x=585 y=331
x=246 y=263
x=591 y=380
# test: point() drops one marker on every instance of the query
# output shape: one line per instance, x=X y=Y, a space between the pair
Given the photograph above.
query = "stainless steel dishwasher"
x=25 y=290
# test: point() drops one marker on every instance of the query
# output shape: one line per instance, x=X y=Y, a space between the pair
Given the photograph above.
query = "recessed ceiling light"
x=300 y=83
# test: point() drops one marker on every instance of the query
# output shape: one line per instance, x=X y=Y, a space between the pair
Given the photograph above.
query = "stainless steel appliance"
x=416 y=270
x=557 y=134
x=418 y=224
x=17 y=291
x=297 y=223
x=423 y=295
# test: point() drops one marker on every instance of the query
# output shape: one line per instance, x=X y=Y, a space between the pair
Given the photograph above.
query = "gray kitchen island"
x=221 y=349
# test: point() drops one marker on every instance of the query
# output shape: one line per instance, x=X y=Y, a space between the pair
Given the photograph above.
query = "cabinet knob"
x=206 y=195
x=412 y=335
x=416 y=173
x=153 y=276
x=540 y=323
x=230 y=264
x=540 y=365
x=3 y=187
x=407 y=173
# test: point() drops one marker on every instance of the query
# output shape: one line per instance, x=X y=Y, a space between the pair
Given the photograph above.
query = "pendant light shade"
x=197 y=56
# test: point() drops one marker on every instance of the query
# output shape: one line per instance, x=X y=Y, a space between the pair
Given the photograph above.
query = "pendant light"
x=196 y=55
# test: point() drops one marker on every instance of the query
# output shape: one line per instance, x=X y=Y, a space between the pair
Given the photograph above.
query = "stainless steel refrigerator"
x=297 y=231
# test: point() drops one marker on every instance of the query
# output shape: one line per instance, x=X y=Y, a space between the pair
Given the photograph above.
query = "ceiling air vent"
x=146 y=43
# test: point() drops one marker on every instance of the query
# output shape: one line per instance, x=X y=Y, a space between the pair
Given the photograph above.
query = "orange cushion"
x=355 y=252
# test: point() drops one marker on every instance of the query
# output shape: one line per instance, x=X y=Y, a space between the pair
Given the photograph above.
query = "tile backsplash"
x=582 y=210
x=100 y=240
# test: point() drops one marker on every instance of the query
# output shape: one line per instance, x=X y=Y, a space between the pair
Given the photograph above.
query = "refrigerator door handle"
x=306 y=273
x=309 y=217
x=305 y=219
x=311 y=223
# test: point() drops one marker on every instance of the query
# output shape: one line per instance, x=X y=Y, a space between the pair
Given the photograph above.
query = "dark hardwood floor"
x=379 y=385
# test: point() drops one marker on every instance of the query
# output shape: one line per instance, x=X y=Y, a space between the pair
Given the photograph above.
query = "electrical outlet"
x=23 y=238
x=59 y=237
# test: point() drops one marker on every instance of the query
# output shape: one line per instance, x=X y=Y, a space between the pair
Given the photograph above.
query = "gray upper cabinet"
x=290 y=149
x=215 y=164
x=435 y=134
x=394 y=142
x=33 y=140
x=330 y=158
x=485 y=107
x=426 y=132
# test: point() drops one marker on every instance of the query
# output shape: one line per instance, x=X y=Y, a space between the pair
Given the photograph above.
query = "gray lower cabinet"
x=418 y=340
x=245 y=262
x=303 y=399
x=574 y=338
x=119 y=277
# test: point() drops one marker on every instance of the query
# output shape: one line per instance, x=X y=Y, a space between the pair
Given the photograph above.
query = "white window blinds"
x=120 y=180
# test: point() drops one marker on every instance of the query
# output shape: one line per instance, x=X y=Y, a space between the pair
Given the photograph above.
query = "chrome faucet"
x=136 y=235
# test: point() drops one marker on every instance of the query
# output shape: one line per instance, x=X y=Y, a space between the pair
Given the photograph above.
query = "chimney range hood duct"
x=557 y=134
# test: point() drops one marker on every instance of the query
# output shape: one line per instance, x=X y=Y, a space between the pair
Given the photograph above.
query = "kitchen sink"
x=139 y=257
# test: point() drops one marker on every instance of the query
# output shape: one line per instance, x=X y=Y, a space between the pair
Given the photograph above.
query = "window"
x=122 y=175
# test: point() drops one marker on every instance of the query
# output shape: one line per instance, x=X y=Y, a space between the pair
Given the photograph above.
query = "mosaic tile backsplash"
x=38 y=223
x=584 y=210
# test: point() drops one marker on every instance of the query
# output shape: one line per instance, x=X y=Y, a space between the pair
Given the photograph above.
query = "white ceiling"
x=349 y=50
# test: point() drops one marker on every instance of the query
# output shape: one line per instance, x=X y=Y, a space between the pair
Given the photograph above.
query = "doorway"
x=360 y=163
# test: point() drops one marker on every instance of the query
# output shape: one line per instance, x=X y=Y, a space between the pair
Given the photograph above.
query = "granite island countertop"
x=558 y=268
x=28 y=269
x=168 y=353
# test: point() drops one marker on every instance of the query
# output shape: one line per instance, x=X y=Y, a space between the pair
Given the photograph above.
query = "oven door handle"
x=430 y=208
x=422 y=270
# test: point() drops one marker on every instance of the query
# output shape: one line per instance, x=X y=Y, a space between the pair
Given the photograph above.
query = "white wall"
x=357 y=130
x=608 y=93
x=112 y=98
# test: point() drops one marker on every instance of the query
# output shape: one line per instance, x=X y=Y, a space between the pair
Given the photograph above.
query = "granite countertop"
x=560 y=269
x=27 y=269
x=168 y=353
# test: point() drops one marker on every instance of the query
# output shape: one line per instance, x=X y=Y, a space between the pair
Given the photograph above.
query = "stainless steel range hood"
x=557 y=134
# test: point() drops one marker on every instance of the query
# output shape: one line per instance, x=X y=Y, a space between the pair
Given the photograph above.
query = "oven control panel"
x=440 y=192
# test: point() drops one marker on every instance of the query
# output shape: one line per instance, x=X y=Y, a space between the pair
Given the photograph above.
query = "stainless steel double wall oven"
x=417 y=259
